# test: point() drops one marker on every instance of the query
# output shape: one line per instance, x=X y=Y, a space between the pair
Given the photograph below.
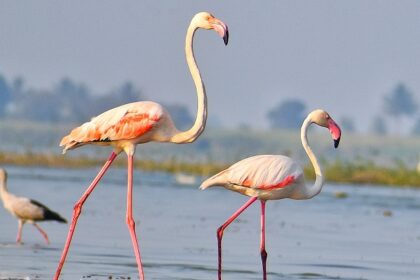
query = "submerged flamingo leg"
x=262 y=245
x=129 y=217
x=77 y=210
x=44 y=234
x=222 y=228
x=19 y=233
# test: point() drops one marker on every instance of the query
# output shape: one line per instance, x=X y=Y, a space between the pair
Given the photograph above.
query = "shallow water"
x=322 y=238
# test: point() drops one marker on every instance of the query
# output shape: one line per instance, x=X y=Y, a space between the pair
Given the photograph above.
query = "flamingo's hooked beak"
x=221 y=29
x=335 y=131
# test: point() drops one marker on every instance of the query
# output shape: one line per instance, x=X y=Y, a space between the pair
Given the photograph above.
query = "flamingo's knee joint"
x=130 y=222
x=77 y=209
x=264 y=255
x=220 y=232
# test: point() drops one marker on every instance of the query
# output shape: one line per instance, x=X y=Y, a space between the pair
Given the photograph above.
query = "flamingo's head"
x=322 y=118
x=207 y=21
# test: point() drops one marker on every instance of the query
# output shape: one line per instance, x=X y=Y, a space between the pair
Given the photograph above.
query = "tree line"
x=71 y=102
x=398 y=105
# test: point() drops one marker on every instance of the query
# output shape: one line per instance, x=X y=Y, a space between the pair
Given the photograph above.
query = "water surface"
x=374 y=233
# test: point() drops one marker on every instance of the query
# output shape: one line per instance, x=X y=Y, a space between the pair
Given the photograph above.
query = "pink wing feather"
x=125 y=122
x=263 y=172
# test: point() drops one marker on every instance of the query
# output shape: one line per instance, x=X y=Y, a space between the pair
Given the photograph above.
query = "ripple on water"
x=323 y=238
x=317 y=276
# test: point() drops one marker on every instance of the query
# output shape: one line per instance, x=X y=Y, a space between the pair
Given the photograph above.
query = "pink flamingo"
x=269 y=177
x=128 y=125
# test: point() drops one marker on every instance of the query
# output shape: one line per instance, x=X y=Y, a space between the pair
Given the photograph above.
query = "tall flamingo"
x=128 y=125
x=26 y=210
x=269 y=177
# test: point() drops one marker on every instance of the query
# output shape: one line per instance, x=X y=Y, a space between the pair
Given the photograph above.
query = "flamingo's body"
x=262 y=176
x=128 y=125
x=271 y=177
x=26 y=210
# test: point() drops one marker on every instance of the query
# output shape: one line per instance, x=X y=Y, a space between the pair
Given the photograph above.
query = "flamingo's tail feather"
x=79 y=136
x=216 y=180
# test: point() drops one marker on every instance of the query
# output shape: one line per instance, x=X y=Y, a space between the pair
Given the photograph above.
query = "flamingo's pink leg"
x=129 y=217
x=262 y=245
x=19 y=234
x=77 y=210
x=44 y=234
x=222 y=228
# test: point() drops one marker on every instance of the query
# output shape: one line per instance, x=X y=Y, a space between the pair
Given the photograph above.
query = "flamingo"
x=124 y=127
x=26 y=210
x=270 y=177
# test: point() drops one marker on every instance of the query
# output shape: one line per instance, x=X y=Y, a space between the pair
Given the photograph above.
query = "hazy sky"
x=339 y=55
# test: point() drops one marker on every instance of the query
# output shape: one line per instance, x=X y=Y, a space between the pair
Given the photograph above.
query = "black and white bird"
x=25 y=209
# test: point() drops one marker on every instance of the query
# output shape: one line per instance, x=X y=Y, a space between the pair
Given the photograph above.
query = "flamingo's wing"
x=125 y=122
x=263 y=172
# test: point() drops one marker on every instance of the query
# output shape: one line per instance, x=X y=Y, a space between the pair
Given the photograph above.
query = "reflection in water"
x=324 y=238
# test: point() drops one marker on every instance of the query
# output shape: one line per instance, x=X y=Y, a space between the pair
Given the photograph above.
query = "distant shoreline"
x=337 y=171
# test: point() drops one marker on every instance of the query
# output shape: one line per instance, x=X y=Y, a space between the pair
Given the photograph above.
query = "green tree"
x=123 y=94
x=347 y=124
x=73 y=102
x=5 y=94
x=416 y=128
x=180 y=115
x=289 y=114
x=400 y=102
x=379 y=126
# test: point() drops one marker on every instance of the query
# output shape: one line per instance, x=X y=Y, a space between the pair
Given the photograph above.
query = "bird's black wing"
x=48 y=213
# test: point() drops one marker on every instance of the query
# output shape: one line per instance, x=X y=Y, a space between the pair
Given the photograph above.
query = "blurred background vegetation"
x=32 y=122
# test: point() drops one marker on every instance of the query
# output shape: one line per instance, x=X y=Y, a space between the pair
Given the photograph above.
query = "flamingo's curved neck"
x=319 y=181
x=200 y=121
x=3 y=189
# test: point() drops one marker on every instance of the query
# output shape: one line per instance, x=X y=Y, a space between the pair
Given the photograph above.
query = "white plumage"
x=140 y=122
x=260 y=176
x=25 y=209
x=268 y=177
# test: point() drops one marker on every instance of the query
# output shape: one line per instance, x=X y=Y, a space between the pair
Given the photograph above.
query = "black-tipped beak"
x=336 y=142
x=221 y=28
x=335 y=131
x=226 y=37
